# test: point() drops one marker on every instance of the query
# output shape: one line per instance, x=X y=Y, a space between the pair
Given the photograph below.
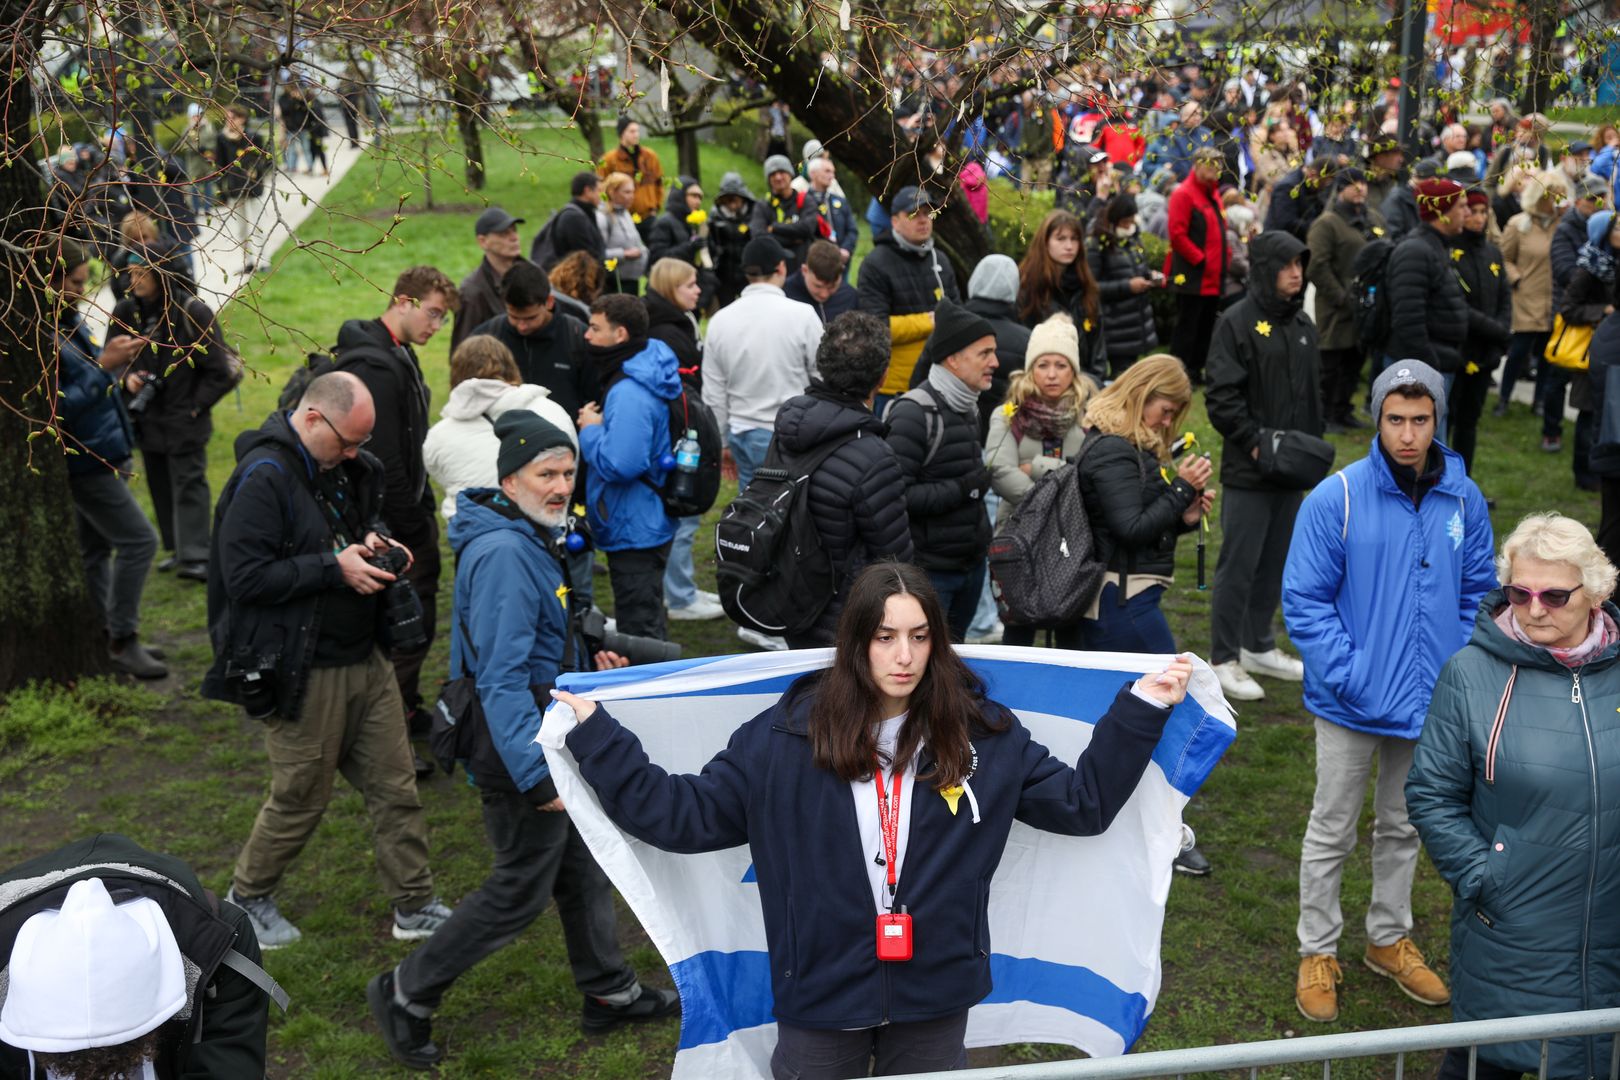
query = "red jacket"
x=1121 y=141
x=1197 y=258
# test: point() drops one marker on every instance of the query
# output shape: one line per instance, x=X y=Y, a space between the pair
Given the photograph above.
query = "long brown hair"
x=1040 y=276
x=944 y=708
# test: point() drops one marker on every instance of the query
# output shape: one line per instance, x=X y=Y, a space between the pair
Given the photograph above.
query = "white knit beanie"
x=1055 y=335
x=91 y=974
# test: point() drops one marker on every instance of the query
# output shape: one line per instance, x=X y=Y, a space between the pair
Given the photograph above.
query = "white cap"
x=1461 y=159
x=92 y=974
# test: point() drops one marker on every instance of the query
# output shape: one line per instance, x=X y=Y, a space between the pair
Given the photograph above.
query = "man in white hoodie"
x=761 y=351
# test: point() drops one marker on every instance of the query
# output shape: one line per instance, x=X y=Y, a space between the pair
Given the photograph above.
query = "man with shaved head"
x=297 y=626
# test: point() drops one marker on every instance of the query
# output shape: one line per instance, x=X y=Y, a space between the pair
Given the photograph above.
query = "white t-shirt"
x=866 y=813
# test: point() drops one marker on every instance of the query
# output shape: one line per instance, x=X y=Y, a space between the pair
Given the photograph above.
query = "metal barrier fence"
x=1323 y=1048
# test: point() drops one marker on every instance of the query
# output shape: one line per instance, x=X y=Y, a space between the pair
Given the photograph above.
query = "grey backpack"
x=1044 y=568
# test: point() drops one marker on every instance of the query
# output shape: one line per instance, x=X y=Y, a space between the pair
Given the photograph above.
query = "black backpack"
x=688 y=413
x=1044 y=568
x=543 y=249
x=317 y=364
x=773 y=574
x=1372 y=298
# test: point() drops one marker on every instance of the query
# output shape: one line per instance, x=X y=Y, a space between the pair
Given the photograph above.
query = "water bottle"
x=688 y=455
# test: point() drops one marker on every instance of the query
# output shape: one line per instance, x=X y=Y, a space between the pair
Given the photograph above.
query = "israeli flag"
x=1075 y=921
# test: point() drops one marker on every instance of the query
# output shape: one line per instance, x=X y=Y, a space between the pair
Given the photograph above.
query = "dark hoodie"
x=272 y=570
x=367 y=349
x=1264 y=369
x=729 y=235
x=671 y=237
x=857 y=496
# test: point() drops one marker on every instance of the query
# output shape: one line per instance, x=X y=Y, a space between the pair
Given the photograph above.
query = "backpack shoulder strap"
x=1344 y=530
x=256 y=975
x=926 y=398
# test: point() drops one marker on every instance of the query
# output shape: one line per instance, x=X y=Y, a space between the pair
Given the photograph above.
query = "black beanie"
x=523 y=436
x=955 y=328
x=625 y=120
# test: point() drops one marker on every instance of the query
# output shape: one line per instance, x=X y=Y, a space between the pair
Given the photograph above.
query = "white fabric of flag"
x=1074 y=921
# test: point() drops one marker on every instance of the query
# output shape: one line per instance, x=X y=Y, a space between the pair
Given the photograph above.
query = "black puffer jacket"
x=944 y=491
x=189 y=353
x=676 y=328
x=857 y=496
x=1428 y=310
x=1296 y=201
x=1135 y=516
x=366 y=349
x=1401 y=212
x=1490 y=300
x=894 y=281
x=1565 y=249
x=671 y=237
x=1127 y=318
x=1264 y=367
x=271 y=562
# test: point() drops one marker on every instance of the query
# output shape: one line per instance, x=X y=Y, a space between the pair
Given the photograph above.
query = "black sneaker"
x=409 y=1037
x=650 y=1005
x=423 y=767
x=1192 y=862
x=193 y=571
x=165 y=565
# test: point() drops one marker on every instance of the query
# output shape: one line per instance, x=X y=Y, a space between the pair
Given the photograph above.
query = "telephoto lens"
x=402 y=608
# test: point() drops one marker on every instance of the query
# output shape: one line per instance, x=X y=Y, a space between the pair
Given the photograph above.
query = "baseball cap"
x=909 y=199
x=494 y=220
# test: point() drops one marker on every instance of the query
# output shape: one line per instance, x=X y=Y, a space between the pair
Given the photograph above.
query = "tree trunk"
x=686 y=153
x=467 y=93
x=50 y=628
x=590 y=126
x=1540 y=86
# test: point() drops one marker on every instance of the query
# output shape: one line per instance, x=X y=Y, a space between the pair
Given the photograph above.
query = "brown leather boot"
x=1316 y=993
x=1403 y=963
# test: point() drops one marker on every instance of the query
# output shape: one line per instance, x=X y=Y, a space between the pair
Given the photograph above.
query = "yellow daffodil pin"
x=1263 y=328
x=954 y=792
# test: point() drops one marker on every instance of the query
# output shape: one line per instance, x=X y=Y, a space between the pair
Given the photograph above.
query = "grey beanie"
x=995 y=278
x=1408 y=373
x=777 y=163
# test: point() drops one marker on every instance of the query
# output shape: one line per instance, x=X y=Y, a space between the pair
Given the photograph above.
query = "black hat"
x=523 y=436
x=1344 y=177
x=625 y=120
x=955 y=328
x=494 y=220
x=908 y=199
x=1427 y=169
x=762 y=254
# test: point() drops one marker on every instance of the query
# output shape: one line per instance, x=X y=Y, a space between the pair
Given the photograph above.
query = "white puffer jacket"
x=460 y=450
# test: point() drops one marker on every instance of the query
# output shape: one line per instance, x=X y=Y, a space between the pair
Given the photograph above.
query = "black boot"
x=409 y=1037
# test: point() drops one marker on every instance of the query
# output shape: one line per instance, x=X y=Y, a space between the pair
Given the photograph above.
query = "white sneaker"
x=704 y=594
x=1275 y=664
x=697 y=611
x=1236 y=684
x=762 y=641
x=991 y=636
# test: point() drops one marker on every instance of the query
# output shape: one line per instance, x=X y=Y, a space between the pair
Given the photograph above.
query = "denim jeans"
x=680 y=590
x=1137 y=627
x=748 y=451
x=959 y=595
x=985 y=615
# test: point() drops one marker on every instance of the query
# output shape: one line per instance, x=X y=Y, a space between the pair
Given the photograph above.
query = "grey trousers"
x=1256 y=527
x=921 y=1046
x=181 y=501
x=1344 y=761
x=117 y=543
x=539 y=856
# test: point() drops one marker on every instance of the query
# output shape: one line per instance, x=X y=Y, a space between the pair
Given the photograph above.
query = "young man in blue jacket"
x=512 y=633
x=622 y=442
x=1389 y=561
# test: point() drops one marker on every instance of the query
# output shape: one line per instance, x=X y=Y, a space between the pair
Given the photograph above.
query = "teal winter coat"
x=1515 y=789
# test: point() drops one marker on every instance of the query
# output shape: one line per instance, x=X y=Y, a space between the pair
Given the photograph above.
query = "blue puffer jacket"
x=1521 y=816
x=90 y=410
x=1377 y=607
x=764 y=789
x=625 y=511
x=509 y=598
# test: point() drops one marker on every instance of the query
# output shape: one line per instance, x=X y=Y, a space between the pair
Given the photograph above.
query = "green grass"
x=187 y=776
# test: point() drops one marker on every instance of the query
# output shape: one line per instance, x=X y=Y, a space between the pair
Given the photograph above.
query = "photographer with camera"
x=173 y=384
x=515 y=628
x=306 y=593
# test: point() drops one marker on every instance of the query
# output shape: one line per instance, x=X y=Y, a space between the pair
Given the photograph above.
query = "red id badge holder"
x=894 y=936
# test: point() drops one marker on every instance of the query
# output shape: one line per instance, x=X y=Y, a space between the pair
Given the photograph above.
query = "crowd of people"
x=654 y=338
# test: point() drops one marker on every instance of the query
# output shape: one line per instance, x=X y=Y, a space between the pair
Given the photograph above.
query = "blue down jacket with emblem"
x=1379 y=600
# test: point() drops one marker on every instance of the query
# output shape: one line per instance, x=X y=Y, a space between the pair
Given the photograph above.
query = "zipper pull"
x=1575 y=689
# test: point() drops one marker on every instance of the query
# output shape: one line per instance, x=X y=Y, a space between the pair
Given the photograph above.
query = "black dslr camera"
x=592 y=627
x=402 y=608
x=252 y=678
x=151 y=387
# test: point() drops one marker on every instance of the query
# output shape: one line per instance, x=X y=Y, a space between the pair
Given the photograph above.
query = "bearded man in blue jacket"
x=1389 y=561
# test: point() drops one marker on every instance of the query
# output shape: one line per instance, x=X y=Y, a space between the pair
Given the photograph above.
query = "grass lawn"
x=187 y=776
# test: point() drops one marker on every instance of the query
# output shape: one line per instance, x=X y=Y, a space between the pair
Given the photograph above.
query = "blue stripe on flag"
x=1193 y=740
x=725 y=992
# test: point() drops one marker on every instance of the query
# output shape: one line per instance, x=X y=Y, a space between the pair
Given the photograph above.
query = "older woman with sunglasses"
x=1515 y=789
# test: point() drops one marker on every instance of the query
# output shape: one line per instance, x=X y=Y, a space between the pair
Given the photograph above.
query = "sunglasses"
x=1550 y=598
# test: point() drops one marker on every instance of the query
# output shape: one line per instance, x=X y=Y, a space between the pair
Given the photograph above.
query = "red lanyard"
x=889 y=823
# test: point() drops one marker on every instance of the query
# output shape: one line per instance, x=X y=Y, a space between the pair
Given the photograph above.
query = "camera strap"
x=344 y=532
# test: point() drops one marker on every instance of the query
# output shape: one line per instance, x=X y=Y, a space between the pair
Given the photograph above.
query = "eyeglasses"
x=347 y=444
x=1550 y=598
x=436 y=315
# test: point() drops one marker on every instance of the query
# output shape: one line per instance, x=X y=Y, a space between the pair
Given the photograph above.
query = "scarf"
x=609 y=360
x=959 y=396
x=1597 y=260
x=924 y=248
x=1045 y=420
x=1600 y=635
